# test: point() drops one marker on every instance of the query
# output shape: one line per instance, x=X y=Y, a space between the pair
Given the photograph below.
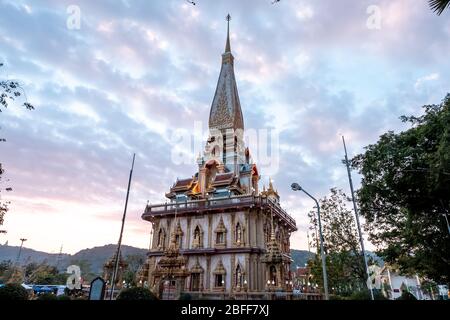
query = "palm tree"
x=439 y=6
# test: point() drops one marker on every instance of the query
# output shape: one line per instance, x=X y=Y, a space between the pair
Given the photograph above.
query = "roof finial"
x=228 y=47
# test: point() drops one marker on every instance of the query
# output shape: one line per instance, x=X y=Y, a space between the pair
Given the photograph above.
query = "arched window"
x=219 y=276
x=178 y=235
x=239 y=277
x=161 y=238
x=239 y=239
x=220 y=231
x=273 y=275
x=197 y=241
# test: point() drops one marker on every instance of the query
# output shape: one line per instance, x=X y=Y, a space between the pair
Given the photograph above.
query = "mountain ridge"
x=98 y=255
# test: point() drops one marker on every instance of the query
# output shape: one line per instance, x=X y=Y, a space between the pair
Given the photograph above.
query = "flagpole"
x=357 y=219
x=116 y=266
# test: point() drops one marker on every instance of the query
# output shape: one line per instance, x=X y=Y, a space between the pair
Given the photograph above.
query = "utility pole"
x=113 y=279
x=361 y=240
x=20 y=250
x=59 y=257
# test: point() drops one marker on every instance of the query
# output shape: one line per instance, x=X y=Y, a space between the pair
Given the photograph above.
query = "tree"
x=439 y=6
x=134 y=261
x=345 y=264
x=5 y=266
x=405 y=193
x=136 y=293
x=10 y=90
x=45 y=274
x=12 y=291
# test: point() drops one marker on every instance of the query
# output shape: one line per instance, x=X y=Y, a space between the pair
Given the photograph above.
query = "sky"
x=131 y=75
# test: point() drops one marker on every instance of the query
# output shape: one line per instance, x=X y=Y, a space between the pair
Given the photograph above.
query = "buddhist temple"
x=218 y=236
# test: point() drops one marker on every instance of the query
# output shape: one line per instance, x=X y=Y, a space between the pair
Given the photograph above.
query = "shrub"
x=406 y=296
x=63 y=297
x=136 y=293
x=13 y=291
x=365 y=295
x=46 y=297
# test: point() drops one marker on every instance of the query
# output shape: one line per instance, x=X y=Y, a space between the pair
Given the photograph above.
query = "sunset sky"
x=136 y=72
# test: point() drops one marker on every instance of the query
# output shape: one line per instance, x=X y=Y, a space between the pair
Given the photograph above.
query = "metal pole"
x=20 y=250
x=322 y=251
x=357 y=220
x=113 y=279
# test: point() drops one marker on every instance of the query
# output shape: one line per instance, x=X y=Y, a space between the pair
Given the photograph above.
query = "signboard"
x=97 y=290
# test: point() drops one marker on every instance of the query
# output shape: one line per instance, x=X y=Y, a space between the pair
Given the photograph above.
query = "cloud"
x=138 y=72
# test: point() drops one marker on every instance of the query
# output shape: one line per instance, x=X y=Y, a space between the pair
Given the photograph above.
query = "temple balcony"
x=224 y=204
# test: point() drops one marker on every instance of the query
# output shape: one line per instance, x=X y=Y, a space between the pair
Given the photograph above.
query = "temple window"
x=238 y=276
x=178 y=235
x=195 y=281
x=161 y=238
x=220 y=238
x=219 y=276
x=273 y=275
x=238 y=234
x=220 y=231
x=197 y=241
x=220 y=280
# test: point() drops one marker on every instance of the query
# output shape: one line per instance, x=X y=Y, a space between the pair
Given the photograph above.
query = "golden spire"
x=270 y=184
x=227 y=46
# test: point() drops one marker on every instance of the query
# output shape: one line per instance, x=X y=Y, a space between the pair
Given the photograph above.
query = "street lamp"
x=20 y=249
x=297 y=187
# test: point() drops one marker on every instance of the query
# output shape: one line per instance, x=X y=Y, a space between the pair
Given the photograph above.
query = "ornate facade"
x=219 y=235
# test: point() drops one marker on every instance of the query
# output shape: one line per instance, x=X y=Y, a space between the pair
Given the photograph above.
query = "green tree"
x=134 y=261
x=345 y=264
x=439 y=6
x=30 y=268
x=136 y=293
x=10 y=91
x=405 y=193
x=12 y=291
x=45 y=274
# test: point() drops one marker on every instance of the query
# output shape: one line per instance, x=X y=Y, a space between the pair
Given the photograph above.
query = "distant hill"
x=96 y=256
x=300 y=258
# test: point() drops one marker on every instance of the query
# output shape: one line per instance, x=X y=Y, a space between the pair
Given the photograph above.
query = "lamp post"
x=20 y=249
x=297 y=187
